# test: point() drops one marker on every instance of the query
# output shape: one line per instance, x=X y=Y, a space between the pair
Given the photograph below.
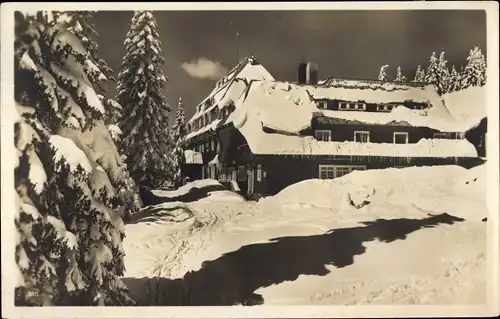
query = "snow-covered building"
x=267 y=134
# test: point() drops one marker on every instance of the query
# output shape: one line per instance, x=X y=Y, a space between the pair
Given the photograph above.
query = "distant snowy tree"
x=146 y=140
x=432 y=70
x=474 y=73
x=442 y=75
x=455 y=83
x=68 y=217
x=419 y=75
x=382 y=75
x=399 y=76
x=178 y=135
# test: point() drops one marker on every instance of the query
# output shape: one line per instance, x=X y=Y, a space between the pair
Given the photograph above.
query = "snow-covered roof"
x=467 y=106
x=289 y=108
x=193 y=157
x=232 y=85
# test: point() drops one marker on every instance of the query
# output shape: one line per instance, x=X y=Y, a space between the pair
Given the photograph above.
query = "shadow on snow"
x=234 y=277
x=192 y=195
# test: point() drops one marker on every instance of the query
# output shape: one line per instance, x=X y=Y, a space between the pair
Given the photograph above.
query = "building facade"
x=260 y=135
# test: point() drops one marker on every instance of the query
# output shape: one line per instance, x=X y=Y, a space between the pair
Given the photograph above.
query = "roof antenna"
x=237 y=47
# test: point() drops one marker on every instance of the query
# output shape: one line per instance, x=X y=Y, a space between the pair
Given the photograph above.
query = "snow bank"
x=467 y=106
x=193 y=157
x=267 y=101
x=183 y=190
x=438 y=189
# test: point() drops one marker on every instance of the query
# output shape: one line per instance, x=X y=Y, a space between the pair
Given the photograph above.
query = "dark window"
x=400 y=138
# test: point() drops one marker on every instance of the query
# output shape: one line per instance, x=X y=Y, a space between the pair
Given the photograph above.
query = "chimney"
x=312 y=73
x=302 y=73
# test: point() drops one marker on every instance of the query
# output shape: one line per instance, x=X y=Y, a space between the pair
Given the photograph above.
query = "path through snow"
x=413 y=245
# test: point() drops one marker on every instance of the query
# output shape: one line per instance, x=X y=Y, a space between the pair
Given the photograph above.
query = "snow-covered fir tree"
x=419 y=75
x=68 y=218
x=382 y=75
x=146 y=138
x=474 y=73
x=431 y=72
x=178 y=134
x=442 y=75
x=399 y=76
x=97 y=71
x=454 y=83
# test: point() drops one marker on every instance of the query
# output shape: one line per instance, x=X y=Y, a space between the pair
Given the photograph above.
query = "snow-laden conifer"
x=178 y=135
x=455 y=81
x=146 y=140
x=382 y=75
x=68 y=217
x=419 y=75
x=399 y=76
x=474 y=73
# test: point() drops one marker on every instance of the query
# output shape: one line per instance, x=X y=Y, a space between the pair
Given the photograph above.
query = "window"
x=352 y=106
x=400 y=138
x=233 y=175
x=362 y=136
x=259 y=173
x=212 y=143
x=322 y=105
x=202 y=148
x=323 y=135
x=442 y=135
x=385 y=107
x=460 y=136
x=334 y=171
x=344 y=106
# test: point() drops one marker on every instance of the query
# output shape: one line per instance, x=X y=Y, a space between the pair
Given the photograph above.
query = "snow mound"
x=439 y=189
x=467 y=106
x=206 y=190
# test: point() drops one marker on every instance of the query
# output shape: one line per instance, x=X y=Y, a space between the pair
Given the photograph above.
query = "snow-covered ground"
x=396 y=236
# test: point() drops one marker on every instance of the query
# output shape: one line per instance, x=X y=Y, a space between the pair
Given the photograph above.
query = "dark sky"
x=350 y=44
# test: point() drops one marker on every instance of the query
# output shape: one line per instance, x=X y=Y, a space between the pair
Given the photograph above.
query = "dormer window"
x=322 y=105
x=351 y=106
x=385 y=107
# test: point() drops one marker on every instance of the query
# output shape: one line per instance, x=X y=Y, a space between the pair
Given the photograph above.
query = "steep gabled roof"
x=232 y=85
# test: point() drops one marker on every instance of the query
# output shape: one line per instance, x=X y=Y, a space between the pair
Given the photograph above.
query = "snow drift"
x=440 y=189
x=467 y=106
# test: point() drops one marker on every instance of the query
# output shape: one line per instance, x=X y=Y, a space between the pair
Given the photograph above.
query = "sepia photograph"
x=221 y=155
